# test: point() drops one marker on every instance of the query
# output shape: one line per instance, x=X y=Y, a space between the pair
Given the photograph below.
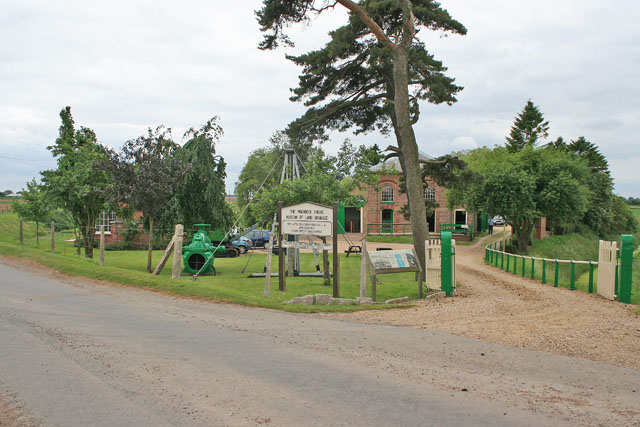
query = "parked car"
x=498 y=220
x=258 y=237
x=243 y=244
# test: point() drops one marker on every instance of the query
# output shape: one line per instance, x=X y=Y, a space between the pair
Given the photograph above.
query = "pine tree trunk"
x=149 y=258
x=410 y=157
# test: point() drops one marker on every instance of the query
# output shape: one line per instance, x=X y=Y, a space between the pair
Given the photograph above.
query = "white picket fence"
x=433 y=270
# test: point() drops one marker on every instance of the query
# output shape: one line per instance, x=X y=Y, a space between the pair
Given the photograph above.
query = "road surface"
x=76 y=353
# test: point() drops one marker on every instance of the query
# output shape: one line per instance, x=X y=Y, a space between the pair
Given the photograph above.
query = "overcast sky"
x=124 y=66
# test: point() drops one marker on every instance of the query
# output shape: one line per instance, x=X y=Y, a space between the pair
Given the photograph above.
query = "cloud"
x=126 y=65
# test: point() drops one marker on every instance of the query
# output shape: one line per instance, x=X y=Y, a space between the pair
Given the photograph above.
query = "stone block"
x=341 y=301
x=324 y=299
x=365 y=300
x=305 y=300
x=397 y=300
x=437 y=295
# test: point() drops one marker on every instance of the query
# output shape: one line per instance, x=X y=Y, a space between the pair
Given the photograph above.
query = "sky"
x=125 y=66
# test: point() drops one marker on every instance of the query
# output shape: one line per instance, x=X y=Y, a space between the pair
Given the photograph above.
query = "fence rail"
x=525 y=266
x=614 y=278
x=389 y=228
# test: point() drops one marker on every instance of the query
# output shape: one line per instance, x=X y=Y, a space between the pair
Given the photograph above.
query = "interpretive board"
x=307 y=218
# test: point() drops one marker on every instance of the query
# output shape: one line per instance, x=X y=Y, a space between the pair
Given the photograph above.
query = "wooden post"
x=282 y=282
x=21 y=232
x=363 y=269
x=102 y=245
x=336 y=266
x=267 y=277
x=177 y=252
x=53 y=237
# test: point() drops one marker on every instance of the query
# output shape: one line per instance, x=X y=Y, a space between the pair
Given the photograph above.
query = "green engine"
x=199 y=255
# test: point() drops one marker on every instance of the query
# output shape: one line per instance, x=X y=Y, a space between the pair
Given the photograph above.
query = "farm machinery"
x=205 y=246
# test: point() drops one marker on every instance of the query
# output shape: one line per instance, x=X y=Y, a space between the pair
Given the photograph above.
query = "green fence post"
x=533 y=268
x=590 y=277
x=626 y=268
x=524 y=266
x=515 y=264
x=572 y=285
x=508 y=260
x=446 y=275
x=502 y=262
x=557 y=274
x=544 y=271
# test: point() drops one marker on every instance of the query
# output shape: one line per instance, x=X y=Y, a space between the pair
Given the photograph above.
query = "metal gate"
x=433 y=261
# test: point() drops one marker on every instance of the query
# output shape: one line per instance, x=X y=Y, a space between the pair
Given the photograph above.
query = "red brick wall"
x=372 y=213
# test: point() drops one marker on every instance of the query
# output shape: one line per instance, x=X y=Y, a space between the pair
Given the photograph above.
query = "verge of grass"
x=230 y=285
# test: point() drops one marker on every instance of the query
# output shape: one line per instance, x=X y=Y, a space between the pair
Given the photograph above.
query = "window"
x=430 y=193
x=105 y=219
x=387 y=195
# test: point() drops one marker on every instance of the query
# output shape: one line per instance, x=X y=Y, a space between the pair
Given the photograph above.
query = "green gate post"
x=557 y=274
x=544 y=271
x=626 y=268
x=446 y=276
x=524 y=266
x=590 y=277
x=533 y=268
x=572 y=285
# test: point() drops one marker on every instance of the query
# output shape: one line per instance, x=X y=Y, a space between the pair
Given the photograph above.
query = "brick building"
x=380 y=212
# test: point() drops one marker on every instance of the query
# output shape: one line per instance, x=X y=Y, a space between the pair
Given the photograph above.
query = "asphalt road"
x=74 y=353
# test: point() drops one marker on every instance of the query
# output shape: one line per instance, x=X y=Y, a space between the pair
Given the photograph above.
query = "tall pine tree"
x=528 y=128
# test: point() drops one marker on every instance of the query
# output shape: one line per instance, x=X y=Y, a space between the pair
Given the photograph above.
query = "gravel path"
x=507 y=309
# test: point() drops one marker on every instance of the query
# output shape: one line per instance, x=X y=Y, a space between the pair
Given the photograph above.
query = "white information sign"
x=305 y=245
x=307 y=219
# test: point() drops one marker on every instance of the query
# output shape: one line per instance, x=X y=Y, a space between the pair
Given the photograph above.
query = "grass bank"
x=231 y=285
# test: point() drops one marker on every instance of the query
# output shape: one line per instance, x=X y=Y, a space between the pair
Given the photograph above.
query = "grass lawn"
x=636 y=211
x=229 y=285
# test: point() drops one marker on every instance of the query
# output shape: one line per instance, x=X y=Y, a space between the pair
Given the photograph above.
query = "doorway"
x=461 y=217
x=387 y=221
x=431 y=219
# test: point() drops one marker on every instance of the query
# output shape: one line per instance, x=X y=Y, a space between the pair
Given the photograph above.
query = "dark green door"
x=387 y=221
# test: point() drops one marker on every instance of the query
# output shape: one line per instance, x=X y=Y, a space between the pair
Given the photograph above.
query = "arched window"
x=387 y=194
x=430 y=193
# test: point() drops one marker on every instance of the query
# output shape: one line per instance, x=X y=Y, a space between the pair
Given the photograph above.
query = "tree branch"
x=370 y=23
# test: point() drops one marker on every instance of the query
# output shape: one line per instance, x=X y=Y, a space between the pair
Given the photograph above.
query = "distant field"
x=5 y=204
x=636 y=211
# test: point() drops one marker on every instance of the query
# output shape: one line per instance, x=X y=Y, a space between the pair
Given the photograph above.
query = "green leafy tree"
x=201 y=195
x=34 y=205
x=77 y=184
x=146 y=173
x=526 y=185
x=370 y=76
x=529 y=127
x=605 y=215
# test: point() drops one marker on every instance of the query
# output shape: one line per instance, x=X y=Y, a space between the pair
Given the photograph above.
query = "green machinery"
x=199 y=254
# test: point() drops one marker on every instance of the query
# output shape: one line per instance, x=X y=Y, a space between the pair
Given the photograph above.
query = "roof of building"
x=395 y=162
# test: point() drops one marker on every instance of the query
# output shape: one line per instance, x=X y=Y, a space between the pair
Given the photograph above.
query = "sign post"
x=281 y=279
x=336 y=261
x=626 y=265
